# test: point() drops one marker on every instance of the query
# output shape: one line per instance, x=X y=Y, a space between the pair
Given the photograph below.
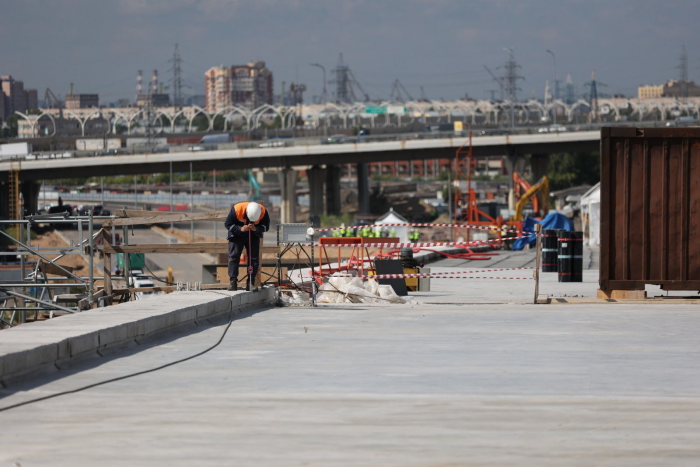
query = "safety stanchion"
x=577 y=260
x=549 y=250
x=538 y=228
x=565 y=256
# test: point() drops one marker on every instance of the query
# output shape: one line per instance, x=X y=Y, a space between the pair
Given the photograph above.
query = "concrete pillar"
x=317 y=177
x=288 y=185
x=333 y=204
x=539 y=164
x=363 y=188
x=30 y=195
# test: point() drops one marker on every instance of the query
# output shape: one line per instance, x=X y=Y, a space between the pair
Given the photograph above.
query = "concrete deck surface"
x=401 y=385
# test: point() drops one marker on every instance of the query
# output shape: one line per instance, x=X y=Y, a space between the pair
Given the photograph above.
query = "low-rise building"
x=82 y=101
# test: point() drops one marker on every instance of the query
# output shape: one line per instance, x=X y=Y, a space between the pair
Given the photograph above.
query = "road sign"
x=375 y=109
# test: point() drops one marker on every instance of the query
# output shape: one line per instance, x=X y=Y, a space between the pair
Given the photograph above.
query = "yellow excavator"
x=540 y=187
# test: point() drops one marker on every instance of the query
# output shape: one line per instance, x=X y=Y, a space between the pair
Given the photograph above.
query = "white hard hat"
x=254 y=212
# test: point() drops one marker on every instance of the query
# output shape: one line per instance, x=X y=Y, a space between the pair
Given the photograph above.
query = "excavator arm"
x=540 y=187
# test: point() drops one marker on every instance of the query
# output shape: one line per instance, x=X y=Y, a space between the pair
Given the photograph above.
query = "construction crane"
x=542 y=187
x=396 y=93
x=520 y=187
x=51 y=101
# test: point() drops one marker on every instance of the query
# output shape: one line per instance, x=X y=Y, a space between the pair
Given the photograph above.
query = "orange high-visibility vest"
x=240 y=209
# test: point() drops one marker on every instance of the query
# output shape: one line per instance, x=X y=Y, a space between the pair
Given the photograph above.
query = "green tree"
x=569 y=169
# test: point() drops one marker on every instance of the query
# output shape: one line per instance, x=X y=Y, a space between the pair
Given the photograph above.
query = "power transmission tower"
x=423 y=97
x=683 y=67
x=511 y=83
x=345 y=83
x=593 y=97
x=297 y=92
x=176 y=68
x=341 y=81
x=498 y=81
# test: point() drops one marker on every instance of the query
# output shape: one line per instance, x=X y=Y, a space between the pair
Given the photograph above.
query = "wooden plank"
x=164 y=218
x=50 y=268
x=167 y=288
x=605 y=210
x=83 y=304
x=622 y=294
x=179 y=248
x=107 y=272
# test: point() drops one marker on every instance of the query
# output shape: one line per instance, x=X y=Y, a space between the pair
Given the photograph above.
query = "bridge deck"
x=434 y=384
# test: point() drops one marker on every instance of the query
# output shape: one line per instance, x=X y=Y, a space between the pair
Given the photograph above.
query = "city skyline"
x=441 y=45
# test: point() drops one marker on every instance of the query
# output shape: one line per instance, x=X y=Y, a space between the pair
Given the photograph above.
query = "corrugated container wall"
x=650 y=208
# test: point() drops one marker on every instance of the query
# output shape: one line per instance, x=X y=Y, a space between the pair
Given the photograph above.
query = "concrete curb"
x=36 y=348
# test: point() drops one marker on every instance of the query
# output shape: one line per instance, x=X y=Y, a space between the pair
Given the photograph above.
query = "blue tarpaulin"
x=553 y=220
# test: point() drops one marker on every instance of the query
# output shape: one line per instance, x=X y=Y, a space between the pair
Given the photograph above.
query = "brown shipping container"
x=650 y=208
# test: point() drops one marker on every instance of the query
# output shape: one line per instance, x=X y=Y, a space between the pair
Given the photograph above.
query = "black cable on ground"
x=156 y=277
x=112 y=380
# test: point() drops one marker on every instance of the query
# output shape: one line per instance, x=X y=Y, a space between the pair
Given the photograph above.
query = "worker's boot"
x=233 y=286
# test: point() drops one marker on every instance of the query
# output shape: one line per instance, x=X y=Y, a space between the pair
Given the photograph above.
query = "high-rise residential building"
x=248 y=86
x=15 y=97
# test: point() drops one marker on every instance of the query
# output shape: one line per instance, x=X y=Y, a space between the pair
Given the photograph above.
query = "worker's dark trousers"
x=235 y=249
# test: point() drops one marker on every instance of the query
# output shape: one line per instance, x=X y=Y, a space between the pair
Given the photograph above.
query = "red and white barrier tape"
x=463 y=226
x=400 y=245
x=477 y=271
x=430 y=276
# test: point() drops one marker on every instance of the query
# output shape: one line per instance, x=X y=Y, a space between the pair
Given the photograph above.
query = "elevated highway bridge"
x=315 y=156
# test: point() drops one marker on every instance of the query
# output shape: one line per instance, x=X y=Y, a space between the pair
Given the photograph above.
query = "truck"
x=15 y=150
x=97 y=144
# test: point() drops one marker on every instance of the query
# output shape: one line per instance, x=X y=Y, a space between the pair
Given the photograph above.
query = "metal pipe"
x=216 y=236
x=102 y=192
x=32 y=299
x=39 y=255
x=39 y=284
x=91 y=260
x=191 y=203
x=23 y=272
x=172 y=228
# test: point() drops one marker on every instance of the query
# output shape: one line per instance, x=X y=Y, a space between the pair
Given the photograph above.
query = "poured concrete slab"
x=468 y=384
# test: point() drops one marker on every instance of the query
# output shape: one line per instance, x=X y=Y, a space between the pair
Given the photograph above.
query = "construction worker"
x=393 y=233
x=340 y=232
x=414 y=235
x=246 y=224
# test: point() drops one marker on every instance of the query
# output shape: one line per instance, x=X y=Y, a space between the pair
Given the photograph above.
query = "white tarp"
x=392 y=218
x=590 y=208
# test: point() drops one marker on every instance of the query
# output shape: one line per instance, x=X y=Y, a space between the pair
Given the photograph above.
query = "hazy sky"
x=440 y=44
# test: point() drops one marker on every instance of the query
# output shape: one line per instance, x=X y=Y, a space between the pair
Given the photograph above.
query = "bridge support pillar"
x=539 y=165
x=30 y=195
x=317 y=177
x=363 y=187
x=333 y=174
x=288 y=184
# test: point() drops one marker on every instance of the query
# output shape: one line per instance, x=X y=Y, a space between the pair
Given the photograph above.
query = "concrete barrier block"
x=112 y=335
x=83 y=343
x=15 y=362
x=135 y=329
x=63 y=349
x=154 y=324
x=40 y=355
x=185 y=315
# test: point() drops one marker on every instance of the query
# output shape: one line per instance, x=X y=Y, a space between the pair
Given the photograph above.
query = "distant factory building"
x=156 y=100
x=14 y=98
x=673 y=88
x=82 y=101
x=247 y=86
